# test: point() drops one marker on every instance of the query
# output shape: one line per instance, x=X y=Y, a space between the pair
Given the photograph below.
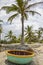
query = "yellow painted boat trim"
x=20 y=56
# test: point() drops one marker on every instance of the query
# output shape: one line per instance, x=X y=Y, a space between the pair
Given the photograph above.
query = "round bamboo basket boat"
x=20 y=56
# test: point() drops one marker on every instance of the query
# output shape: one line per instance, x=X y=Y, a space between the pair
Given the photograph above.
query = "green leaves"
x=34 y=4
x=1 y=20
x=12 y=17
x=25 y=3
x=33 y=12
x=25 y=16
x=22 y=8
x=10 y=8
x=19 y=3
x=29 y=34
x=1 y=26
x=0 y=30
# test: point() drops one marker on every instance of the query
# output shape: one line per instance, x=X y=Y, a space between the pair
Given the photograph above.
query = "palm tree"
x=0 y=28
x=9 y=35
x=41 y=29
x=21 y=7
x=39 y=34
x=29 y=34
x=19 y=39
x=42 y=32
x=14 y=39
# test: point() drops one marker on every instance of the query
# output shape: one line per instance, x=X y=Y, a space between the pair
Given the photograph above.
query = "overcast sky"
x=36 y=21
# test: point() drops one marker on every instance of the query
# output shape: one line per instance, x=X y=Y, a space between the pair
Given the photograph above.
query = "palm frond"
x=7 y=36
x=12 y=17
x=41 y=29
x=25 y=16
x=1 y=20
x=10 y=8
x=25 y=29
x=33 y=12
x=0 y=30
x=19 y=3
x=25 y=3
x=34 y=4
x=26 y=34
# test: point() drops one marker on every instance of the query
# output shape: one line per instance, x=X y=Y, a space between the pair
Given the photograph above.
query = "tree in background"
x=39 y=34
x=29 y=34
x=11 y=37
x=14 y=39
x=22 y=7
x=19 y=39
x=42 y=34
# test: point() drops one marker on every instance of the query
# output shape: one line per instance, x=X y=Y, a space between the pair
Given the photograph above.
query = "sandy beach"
x=37 y=60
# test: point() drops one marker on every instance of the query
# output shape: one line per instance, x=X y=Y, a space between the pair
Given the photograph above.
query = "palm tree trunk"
x=0 y=31
x=22 y=38
x=0 y=37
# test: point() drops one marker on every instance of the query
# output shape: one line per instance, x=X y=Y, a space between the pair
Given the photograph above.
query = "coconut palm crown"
x=21 y=7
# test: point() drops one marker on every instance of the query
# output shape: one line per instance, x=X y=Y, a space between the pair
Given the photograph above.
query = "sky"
x=36 y=21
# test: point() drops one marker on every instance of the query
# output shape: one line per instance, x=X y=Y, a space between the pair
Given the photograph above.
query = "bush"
x=3 y=42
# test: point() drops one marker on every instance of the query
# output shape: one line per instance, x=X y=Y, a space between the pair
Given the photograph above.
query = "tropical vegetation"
x=21 y=7
x=31 y=36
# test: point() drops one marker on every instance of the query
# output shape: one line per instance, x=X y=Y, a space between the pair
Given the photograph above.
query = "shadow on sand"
x=10 y=63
